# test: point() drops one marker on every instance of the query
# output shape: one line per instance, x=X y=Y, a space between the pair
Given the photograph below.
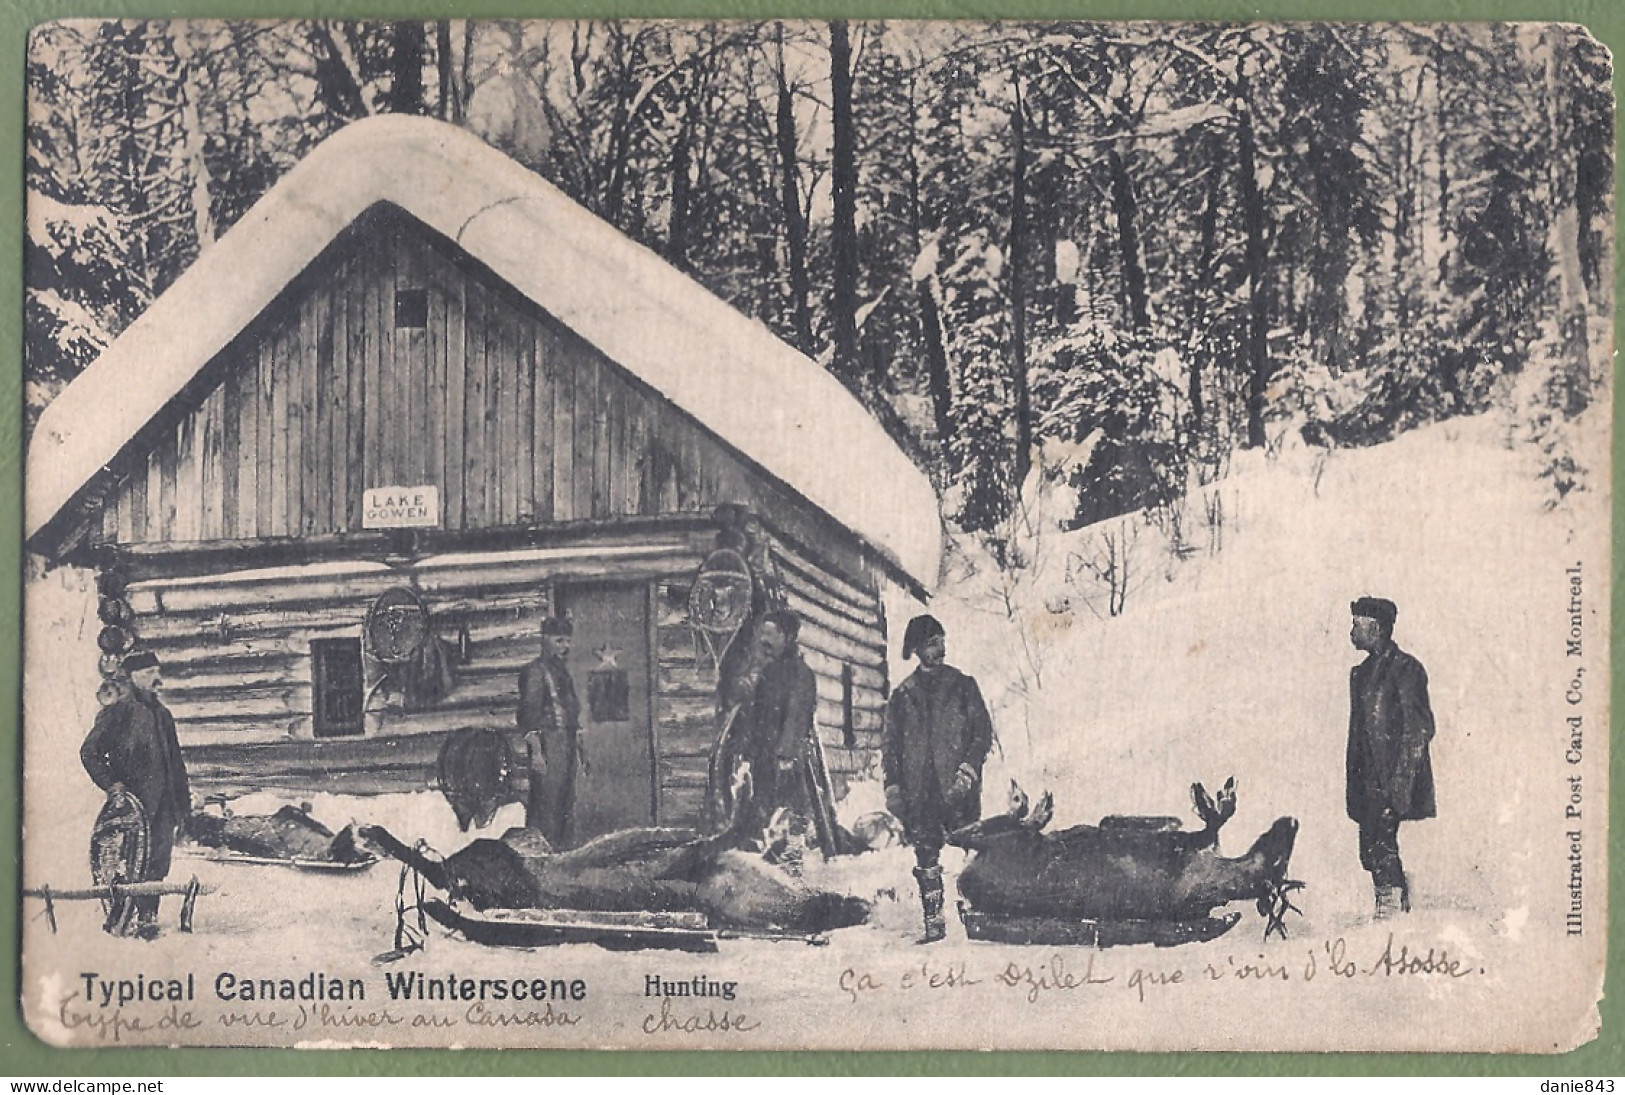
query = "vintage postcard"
x=841 y=535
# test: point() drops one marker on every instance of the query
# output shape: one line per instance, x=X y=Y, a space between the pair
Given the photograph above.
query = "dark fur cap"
x=920 y=630
x=787 y=622
x=1375 y=608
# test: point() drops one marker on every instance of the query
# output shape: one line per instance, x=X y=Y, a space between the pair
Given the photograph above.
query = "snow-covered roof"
x=772 y=403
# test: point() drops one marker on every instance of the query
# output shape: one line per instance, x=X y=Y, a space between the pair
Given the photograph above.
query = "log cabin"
x=415 y=401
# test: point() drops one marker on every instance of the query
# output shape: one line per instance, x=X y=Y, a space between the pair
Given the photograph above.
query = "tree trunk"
x=1208 y=229
x=408 y=44
x=446 y=95
x=1442 y=127
x=795 y=227
x=620 y=134
x=682 y=183
x=1253 y=256
x=1128 y=241
x=844 y=189
x=936 y=354
x=1018 y=291
x=936 y=364
x=338 y=84
x=202 y=188
x=467 y=83
x=1563 y=236
x=131 y=167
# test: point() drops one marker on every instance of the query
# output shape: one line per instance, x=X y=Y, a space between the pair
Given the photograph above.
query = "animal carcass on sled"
x=288 y=838
x=1126 y=880
x=660 y=872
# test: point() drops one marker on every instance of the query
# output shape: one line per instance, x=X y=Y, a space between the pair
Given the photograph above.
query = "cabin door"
x=609 y=664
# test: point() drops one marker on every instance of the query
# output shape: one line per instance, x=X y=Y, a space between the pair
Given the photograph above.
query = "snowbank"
x=1234 y=659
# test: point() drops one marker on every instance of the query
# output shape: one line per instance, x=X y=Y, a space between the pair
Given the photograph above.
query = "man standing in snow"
x=936 y=736
x=550 y=717
x=133 y=748
x=1390 y=777
x=782 y=711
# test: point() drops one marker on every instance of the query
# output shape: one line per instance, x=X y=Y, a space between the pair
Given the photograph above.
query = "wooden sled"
x=551 y=927
x=226 y=855
x=117 y=895
x=1059 y=932
x=616 y=931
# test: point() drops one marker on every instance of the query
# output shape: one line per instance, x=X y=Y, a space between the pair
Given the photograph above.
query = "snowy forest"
x=1105 y=255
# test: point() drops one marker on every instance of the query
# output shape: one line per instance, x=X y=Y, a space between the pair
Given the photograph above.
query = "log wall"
x=238 y=668
x=237 y=661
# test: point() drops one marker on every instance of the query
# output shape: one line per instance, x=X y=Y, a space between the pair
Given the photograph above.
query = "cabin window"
x=337 y=679
x=609 y=695
x=411 y=308
x=849 y=720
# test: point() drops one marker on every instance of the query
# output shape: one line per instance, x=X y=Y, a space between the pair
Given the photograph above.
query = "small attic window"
x=411 y=308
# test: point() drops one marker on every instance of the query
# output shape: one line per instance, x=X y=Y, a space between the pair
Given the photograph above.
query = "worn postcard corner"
x=840 y=535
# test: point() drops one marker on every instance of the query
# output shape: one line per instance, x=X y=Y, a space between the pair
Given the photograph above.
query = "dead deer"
x=1125 y=868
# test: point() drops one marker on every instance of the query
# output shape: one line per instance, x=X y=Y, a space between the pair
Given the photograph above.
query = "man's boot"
x=930 y=880
x=795 y=850
x=1390 y=901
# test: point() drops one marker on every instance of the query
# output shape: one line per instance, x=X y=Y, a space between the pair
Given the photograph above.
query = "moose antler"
x=1214 y=814
x=1276 y=903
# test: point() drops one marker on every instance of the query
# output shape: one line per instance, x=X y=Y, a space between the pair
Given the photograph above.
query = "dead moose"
x=1126 y=870
x=648 y=870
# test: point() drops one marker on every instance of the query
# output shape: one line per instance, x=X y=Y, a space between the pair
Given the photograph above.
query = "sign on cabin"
x=401 y=507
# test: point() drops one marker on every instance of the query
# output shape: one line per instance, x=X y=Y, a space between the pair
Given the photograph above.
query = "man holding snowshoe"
x=1390 y=776
x=937 y=734
x=132 y=750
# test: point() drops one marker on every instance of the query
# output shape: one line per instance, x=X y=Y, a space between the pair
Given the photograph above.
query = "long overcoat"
x=133 y=743
x=935 y=721
x=782 y=712
x=550 y=716
x=1390 y=726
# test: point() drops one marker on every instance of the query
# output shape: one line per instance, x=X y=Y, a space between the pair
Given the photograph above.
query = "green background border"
x=22 y=1055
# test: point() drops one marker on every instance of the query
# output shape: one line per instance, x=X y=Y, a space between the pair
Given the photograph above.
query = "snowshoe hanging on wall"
x=719 y=601
x=400 y=635
x=397 y=626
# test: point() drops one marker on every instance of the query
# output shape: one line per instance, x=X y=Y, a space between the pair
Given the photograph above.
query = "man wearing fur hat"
x=550 y=717
x=133 y=748
x=1390 y=776
x=937 y=734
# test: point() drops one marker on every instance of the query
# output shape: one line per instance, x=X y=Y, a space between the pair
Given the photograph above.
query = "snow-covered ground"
x=1229 y=659
x=1235 y=661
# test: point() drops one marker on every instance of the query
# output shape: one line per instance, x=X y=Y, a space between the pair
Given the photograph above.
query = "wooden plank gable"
x=516 y=420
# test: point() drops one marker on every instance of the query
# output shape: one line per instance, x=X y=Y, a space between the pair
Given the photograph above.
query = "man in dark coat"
x=937 y=734
x=550 y=717
x=1390 y=776
x=782 y=711
x=132 y=747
